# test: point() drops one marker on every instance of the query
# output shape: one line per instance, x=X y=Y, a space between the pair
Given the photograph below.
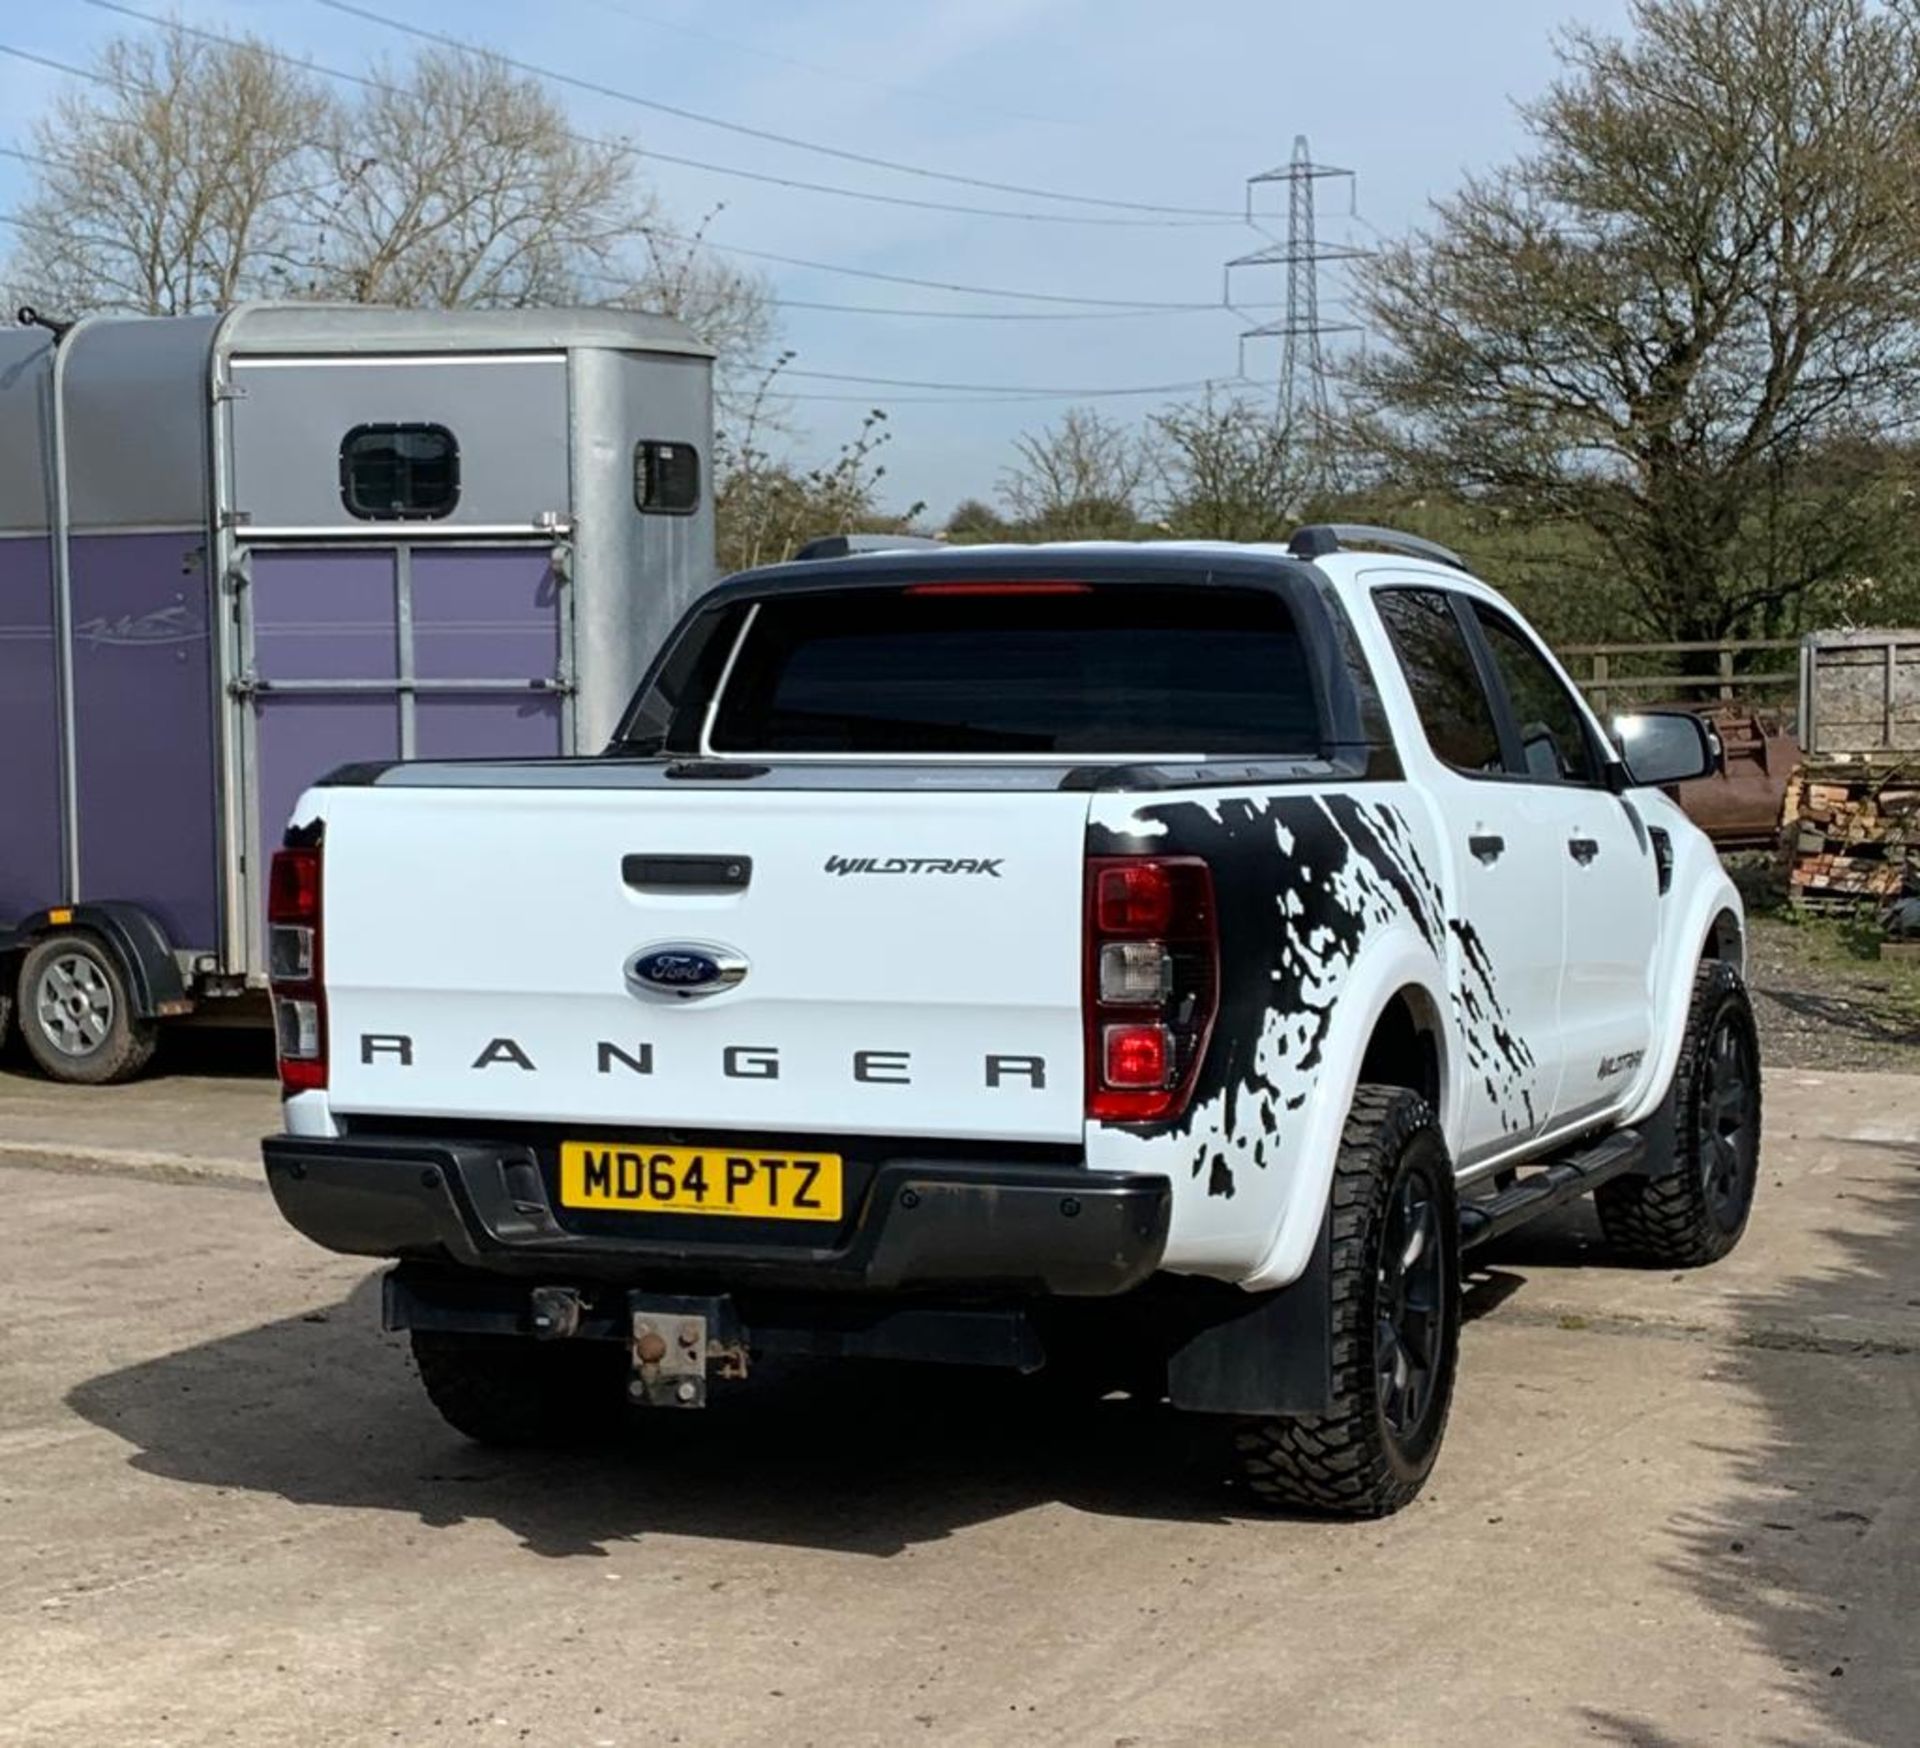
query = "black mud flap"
x=1260 y=1353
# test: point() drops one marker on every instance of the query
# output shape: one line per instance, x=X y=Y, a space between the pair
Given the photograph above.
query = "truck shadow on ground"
x=1813 y=1550
x=1805 y=1549
x=858 y=1457
x=861 y=1458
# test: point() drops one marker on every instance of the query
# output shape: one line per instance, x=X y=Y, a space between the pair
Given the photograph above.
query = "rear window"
x=1122 y=669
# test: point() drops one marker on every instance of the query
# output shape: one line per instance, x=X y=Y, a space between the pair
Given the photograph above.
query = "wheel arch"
x=1392 y=1011
x=1727 y=940
x=1711 y=927
x=1408 y=1047
x=136 y=938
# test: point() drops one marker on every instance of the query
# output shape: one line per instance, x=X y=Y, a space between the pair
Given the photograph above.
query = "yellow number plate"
x=700 y=1180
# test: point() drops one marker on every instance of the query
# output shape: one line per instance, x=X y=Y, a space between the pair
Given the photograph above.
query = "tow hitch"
x=678 y=1344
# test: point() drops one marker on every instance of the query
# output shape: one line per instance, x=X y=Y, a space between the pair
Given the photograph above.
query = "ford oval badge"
x=684 y=969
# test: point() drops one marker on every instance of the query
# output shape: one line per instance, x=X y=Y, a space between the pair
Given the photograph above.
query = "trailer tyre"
x=1396 y=1325
x=76 y=1014
x=1695 y=1210
x=513 y=1391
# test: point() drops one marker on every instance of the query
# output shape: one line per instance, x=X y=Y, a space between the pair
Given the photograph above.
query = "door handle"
x=1487 y=847
x=1583 y=850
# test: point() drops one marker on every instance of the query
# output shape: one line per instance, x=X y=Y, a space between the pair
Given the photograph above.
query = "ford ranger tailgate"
x=908 y=962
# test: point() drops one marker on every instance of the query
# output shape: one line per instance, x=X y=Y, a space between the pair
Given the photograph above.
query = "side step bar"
x=1548 y=1185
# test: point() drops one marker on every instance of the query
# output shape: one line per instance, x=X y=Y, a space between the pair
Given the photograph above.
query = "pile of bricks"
x=1851 y=833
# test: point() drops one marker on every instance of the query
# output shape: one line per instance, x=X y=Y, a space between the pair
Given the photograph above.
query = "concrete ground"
x=1671 y=1510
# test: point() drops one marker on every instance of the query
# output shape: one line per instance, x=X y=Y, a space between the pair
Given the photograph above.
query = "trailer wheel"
x=76 y=1015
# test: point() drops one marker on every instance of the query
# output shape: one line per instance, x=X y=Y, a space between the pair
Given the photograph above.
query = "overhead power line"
x=1077 y=307
x=680 y=161
x=909 y=311
x=914 y=93
x=872 y=161
x=1033 y=391
x=1137 y=305
x=49 y=61
x=1025 y=398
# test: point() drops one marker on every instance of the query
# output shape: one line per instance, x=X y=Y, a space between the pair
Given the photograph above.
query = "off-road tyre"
x=513 y=1391
x=107 y=1042
x=1691 y=1206
x=1353 y=1460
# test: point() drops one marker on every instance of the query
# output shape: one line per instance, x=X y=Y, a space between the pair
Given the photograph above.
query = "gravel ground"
x=1823 y=1000
x=1686 y=1501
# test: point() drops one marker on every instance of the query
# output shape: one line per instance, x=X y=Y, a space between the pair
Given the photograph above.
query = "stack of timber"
x=1852 y=833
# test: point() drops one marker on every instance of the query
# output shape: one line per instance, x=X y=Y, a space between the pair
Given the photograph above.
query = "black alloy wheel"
x=1729 y=1128
x=1410 y=1307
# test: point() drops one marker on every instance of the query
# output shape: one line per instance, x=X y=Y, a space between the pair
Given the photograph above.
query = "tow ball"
x=678 y=1344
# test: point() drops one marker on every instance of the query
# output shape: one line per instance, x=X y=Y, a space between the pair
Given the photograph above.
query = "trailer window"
x=1066 y=669
x=399 y=472
x=666 y=478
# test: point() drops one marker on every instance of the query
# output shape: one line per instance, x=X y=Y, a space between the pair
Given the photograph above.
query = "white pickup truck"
x=1156 y=963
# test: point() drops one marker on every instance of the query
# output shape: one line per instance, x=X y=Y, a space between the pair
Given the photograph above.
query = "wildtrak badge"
x=988 y=865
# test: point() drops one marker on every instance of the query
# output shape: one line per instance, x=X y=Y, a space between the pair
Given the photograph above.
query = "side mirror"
x=1660 y=747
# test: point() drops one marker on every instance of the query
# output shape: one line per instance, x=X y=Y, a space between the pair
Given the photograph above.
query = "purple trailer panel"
x=29 y=731
x=491 y=614
x=324 y=615
x=320 y=616
x=332 y=616
x=143 y=728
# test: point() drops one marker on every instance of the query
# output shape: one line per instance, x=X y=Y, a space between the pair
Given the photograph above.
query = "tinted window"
x=406 y=471
x=1100 y=670
x=1447 y=693
x=666 y=478
x=1553 y=737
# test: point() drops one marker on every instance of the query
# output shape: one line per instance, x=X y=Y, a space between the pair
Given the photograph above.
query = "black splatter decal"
x=1301 y=883
x=1495 y=1054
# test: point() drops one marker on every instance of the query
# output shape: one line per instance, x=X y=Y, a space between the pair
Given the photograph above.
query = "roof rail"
x=1320 y=538
x=845 y=545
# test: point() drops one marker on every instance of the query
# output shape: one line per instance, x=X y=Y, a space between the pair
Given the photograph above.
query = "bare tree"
x=729 y=308
x=1078 y=480
x=765 y=505
x=1682 y=320
x=1228 y=470
x=192 y=172
x=460 y=184
x=174 y=182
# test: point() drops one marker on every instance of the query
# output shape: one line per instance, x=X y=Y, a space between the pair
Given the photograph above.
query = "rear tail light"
x=1152 y=984
x=295 y=967
x=1137 y=1056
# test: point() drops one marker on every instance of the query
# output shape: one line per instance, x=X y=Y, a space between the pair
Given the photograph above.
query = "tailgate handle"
x=687 y=873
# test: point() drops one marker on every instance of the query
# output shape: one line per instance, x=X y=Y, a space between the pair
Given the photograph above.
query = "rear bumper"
x=995 y=1228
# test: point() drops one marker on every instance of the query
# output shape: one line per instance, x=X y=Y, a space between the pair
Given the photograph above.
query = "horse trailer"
x=237 y=551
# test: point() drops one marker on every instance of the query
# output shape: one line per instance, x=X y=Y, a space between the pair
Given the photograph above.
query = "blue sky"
x=1123 y=99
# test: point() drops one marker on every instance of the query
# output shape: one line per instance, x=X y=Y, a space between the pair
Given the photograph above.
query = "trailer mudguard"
x=155 y=987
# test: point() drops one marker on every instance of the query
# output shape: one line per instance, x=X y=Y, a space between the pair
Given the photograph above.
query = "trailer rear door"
x=373 y=653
